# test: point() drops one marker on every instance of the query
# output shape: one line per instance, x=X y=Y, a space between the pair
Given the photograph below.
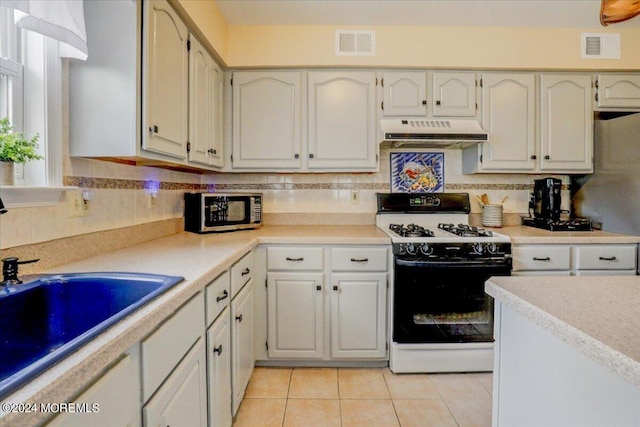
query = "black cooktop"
x=573 y=224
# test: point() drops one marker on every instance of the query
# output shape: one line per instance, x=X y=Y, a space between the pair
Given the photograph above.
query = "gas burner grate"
x=410 y=230
x=465 y=230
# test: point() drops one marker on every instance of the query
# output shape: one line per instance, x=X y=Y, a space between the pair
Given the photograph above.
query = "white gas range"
x=441 y=319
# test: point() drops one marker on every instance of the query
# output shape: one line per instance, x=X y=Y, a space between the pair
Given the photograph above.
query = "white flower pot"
x=7 y=173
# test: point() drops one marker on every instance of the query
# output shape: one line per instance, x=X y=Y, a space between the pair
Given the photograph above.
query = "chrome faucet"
x=10 y=270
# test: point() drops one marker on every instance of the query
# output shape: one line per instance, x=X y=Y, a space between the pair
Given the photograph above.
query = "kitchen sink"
x=45 y=320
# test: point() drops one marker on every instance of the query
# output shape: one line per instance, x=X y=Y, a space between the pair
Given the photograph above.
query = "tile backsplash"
x=120 y=196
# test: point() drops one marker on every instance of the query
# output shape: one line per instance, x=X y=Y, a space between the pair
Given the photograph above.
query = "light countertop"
x=520 y=234
x=199 y=259
x=598 y=316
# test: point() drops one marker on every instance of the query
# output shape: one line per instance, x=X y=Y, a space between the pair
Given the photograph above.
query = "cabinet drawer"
x=295 y=258
x=164 y=348
x=605 y=257
x=541 y=258
x=217 y=295
x=359 y=259
x=241 y=273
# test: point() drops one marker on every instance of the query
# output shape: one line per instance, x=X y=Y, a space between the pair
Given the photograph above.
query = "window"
x=31 y=76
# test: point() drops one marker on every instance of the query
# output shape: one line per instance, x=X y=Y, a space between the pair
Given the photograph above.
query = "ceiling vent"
x=355 y=43
x=601 y=46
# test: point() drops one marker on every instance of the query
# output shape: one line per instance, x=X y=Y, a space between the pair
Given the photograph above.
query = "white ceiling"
x=497 y=13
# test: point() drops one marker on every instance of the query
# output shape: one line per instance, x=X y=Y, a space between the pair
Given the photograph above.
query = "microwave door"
x=237 y=211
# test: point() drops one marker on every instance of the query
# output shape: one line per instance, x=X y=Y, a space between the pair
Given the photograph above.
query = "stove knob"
x=411 y=249
x=477 y=248
x=492 y=248
x=425 y=249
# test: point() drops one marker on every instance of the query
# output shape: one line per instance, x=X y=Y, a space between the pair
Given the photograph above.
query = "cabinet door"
x=118 y=395
x=342 y=120
x=454 y=94
x=242 y=344
x=182 y=399
x=201 y=95
x=205 y=107
x=405 y=94
x=166 y=78
x=508 y=110
x=266 y=120
x=566 y=123
x=358 y=315
x=295 y=315
x=618 y=90
x=219 y=374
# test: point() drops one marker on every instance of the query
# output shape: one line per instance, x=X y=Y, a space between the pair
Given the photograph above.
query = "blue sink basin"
x=43 y=321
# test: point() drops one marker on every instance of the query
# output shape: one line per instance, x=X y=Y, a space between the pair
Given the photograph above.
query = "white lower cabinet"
x=311 y=319
x=242 y=356
x=295 y=315
x=182 y=399
x=358 y=315
x=575 y=260
x=219 y=371
x=112 y=401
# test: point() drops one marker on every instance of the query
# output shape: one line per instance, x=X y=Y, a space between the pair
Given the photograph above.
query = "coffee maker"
x=547 y=198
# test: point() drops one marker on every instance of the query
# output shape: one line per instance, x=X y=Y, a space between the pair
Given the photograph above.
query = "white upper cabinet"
x=566 y=123
x=508 y=114
x=453 y=94
x=342 y=121
x=404 y=93
x=205 y=107
x=618 y=90
x=267 y=120
x=166 y=82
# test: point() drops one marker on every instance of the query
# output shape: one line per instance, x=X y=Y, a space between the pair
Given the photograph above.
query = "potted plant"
x=14 y=148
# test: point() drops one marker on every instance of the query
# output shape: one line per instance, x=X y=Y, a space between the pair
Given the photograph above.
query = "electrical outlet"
x=152 y=200
x=78 y=206
x=355 y=197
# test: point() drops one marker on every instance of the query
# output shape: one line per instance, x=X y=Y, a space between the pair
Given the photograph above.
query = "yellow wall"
x=211 y=24
x=254 y=46
x=428 y=47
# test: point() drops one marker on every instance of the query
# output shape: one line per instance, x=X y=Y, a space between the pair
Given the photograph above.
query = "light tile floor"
x=328 y=397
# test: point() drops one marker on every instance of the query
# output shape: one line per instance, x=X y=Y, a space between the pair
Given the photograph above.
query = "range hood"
x=423 y=133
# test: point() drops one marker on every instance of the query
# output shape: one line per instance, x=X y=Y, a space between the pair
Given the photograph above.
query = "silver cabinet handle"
x=541 y=259
x=359 y=259
x=295 y=259
x=604 y=258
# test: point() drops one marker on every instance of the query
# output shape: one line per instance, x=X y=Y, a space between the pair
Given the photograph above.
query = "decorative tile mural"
x=417 y=172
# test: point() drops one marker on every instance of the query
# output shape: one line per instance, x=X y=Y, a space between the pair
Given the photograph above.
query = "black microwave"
x=211 y=212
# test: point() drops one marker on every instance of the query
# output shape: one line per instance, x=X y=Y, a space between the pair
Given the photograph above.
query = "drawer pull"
x=335 y=288
x=359 y=259
x=218 y=350
x=245 y=271
x=239 y=318
x=318 y=288
x=295 y=259
x=224 y=295
x=604 y=258
x=541 y=259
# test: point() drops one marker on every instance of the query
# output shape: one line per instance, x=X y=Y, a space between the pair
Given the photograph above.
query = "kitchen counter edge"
x=519 y=293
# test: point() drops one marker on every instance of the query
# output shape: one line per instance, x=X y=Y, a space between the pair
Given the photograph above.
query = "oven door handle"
x=454 y=264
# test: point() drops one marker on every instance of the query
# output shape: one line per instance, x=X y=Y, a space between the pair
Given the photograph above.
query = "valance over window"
x=62 y=20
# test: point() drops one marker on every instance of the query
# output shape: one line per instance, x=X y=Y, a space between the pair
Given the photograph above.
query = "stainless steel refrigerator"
x=611 y=195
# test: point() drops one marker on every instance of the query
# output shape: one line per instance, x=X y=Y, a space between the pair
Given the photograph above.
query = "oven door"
x=444 y=301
